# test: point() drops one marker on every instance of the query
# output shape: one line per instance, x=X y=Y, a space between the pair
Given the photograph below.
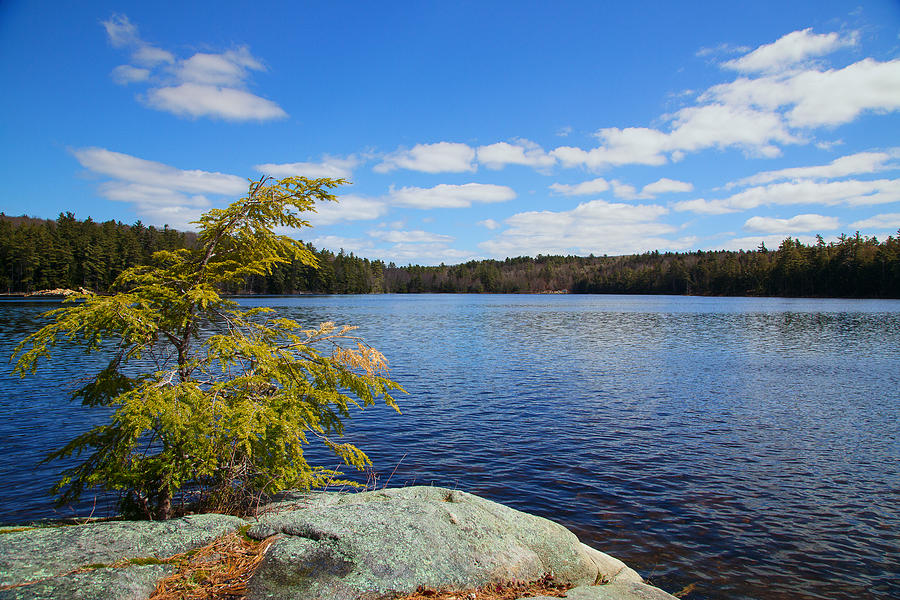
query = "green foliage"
x=210 y=400
x=70 y=253
x=38 y=254
x=853 y=266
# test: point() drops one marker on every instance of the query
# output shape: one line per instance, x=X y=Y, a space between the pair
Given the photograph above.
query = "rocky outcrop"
x=326 y=546
x=613 y=591
x=112 y=559
x=349 y=546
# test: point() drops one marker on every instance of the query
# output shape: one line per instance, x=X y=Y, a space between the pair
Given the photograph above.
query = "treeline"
x=853 y=266
x=339 y=273
x=41 y=254
x=38 y=254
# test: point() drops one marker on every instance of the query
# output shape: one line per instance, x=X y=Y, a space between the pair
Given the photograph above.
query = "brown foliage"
x=218 y=571
x=545 y=586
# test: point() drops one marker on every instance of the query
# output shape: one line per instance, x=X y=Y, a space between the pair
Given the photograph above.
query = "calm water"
x=748 y=446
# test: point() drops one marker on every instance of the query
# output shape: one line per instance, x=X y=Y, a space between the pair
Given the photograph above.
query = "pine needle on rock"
x=218 y=571
x=545 y=586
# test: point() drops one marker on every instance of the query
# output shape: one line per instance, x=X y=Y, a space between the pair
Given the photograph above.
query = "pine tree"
x=233 y=395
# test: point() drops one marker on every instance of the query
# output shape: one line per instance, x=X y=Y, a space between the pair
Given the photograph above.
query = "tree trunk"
x=164 y=507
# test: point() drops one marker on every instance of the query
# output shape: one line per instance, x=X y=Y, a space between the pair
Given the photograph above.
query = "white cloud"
x=594 y=186
x=203 y=85
x=181 y=218
x=410 y=237
x=789 y=50
x=442 y=157
x=489 y=224
x=693 y=128
x=722 y=49
x=160 y=193
x=851 y=192
x=131 y=169
x=450 y=196
x=632 y=145
x=330 y=166
x=197 y=100
x=347 y=208
x=151 y=56
x=768 y=107
x=835 y=97
x=860 y=163
x=229 y=68
x=722 y=126
x=144 y=195
x=882 y=221
x=571 y=156
x=666 y=186
x=121 y=31
x=415 y=247
x=624 y=190
x=165 y=194
x=829 y=144
x=423 y=254
x=814 y=98
x=125 y=74
x=522 y=152
x=597 y=227
x=807 y=222
x=334 y=242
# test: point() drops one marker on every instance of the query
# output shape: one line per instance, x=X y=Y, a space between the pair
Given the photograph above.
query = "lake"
x=748 y=446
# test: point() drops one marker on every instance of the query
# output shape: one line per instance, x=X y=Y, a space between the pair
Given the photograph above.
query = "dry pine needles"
x=545 y=586
x=218 y=571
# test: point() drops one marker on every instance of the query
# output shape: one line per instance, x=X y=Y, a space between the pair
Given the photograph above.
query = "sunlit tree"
x=211 y=403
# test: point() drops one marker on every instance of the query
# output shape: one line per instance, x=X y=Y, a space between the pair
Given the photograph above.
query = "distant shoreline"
x=53 y=295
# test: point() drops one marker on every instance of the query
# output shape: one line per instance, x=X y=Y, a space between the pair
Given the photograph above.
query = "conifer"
x=209 y=402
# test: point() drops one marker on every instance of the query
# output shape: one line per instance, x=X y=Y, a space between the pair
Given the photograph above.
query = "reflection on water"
x=750 y=446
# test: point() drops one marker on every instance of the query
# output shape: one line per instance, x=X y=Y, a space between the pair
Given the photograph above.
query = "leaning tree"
x=209 y=403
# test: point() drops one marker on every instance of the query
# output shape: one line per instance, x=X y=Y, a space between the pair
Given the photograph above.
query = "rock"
x=328 y=546
x=610 y=569
x=614 y=591
x=132 y=583
x=371 y=544
x=48 y=555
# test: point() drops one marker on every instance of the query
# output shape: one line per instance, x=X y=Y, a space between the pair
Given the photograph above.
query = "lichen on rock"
x=392 y=541
x=51 y=562
x=324 y=546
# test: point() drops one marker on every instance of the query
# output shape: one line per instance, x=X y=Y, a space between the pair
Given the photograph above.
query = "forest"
x=38 y=254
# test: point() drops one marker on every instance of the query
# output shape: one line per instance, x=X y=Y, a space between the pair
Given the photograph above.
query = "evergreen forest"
x=38 y=254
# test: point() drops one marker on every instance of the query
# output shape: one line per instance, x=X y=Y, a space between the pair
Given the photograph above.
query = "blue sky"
x=468 y=129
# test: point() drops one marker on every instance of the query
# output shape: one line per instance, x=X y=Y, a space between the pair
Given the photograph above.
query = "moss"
x=200 y=576
x=55 y=524
x=243 y=533
x=39 y=525
x=15 y=529
x=148 y=560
